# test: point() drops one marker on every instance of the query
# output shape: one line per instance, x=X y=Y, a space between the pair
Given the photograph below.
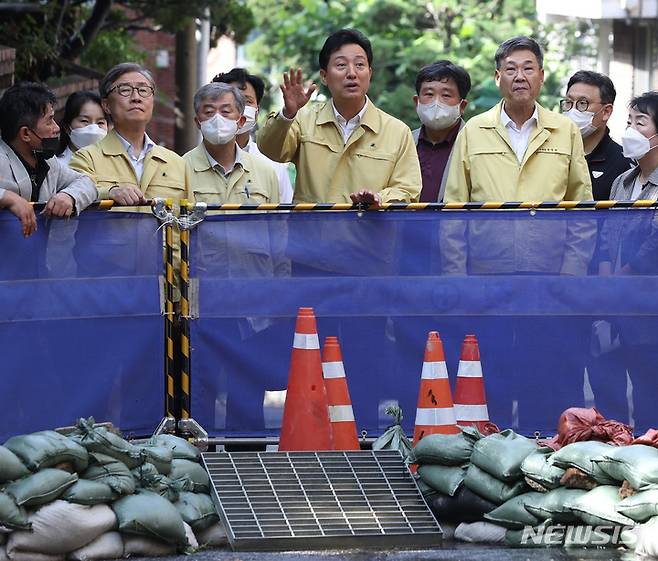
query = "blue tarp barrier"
x=81 y=332
x=553 y=333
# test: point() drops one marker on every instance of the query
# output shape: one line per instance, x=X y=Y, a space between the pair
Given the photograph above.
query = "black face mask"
x=49 y=146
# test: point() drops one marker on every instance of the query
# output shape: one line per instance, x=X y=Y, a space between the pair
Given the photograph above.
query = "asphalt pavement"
x=449 y=552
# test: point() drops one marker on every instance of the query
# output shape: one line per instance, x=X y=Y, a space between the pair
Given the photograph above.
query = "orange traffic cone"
x=341 y=414
x=470 y=399
x=435 y=413
x=305 y=424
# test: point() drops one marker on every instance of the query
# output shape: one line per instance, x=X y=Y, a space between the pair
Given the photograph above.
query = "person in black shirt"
x=28 y=170
x=589 y=100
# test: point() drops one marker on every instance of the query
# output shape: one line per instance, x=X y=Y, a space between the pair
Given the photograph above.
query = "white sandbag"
x=647 y=539
x=480 y=532
x=62 y=527
x=106 y=546
x=139 y=546
x=189 y=535
x=34 y=556
x=213 y=536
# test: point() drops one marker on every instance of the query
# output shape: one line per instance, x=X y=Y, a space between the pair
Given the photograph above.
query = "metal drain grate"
x=302 y=500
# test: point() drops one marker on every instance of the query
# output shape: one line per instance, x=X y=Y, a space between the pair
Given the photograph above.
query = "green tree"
x=50 y=36
x=407 y=34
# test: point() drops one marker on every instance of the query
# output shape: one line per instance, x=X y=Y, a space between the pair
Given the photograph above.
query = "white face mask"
x=84 y=136
x=635 y=145
x=583 y=120
x=219 y=129
x=437 y=115
x=250 y=113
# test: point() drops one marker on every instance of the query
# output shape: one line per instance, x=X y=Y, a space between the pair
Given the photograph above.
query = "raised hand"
x=294 y=94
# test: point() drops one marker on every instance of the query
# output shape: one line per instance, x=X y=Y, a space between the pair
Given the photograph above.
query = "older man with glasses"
x=127 y=166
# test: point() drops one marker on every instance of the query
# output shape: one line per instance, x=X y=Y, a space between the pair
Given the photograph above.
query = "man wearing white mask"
x=588 y=103
x=222 y=171
x=441 y=90
x=253 y=88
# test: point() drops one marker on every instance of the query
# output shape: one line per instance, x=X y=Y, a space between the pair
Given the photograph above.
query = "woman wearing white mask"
x=84 y=123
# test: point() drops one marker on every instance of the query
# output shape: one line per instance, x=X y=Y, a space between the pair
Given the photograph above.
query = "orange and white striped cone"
x=470 y=399
x=435 y=412
x=305 y=424
x=341 y=414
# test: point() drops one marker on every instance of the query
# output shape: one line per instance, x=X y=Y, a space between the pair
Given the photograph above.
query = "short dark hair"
x=72 y=109
x=242 y=77
x=520 y=43
x=647 y=103
x=114 y=73
x=607 y=91
x=343 y=37
x=22 y=105
x=442 y=69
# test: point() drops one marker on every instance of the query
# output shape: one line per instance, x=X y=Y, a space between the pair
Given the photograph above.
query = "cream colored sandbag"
x=106 y=546
x=139 y=546
x=191 y=538
x=62 y=527
x=212 y=536
x=29 y=556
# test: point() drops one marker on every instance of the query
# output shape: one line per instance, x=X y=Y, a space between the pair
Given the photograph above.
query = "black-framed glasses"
x=126 y=90
x=581 y=104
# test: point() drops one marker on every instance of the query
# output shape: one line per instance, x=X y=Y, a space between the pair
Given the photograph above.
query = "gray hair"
x=119 y=70
x=215 y=90
x=520 y=43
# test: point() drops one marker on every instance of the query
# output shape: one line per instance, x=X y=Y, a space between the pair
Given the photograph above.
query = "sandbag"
x=599 y=507
x=552 y=505
x=647 y=539
x=192 y=542
x=640 y=507
x=30 y=556
x=85 y=492
x=427 y=491
x=445 y=449
x=112 y=472
x=140 y=546
x=542 y=535
x=464 y=506
x=104 y=441
x=537 y=467
x=480 y=532
x=637 y=464
x=193 y=471
x=46 y=449
x=590 y=536
x=62 y=527
x=213 y=536
x=150 y=515
x=512 y=514
x=11 y=515
x=487 y=486
x=197 y=509
x=144 y=472
x=105 y=546
x=159 y=456
x=180 y=448
x=581 y=455
x=11 y=466
x=165 y=487
x=502 y=454
x=445 y=479
x=393 y=437
x=41 y=487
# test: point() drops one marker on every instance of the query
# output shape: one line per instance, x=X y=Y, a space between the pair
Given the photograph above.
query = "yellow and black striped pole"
x=185 y=311
x=170 y=406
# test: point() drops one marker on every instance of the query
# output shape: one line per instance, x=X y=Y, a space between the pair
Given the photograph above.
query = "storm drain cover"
x=305 y=500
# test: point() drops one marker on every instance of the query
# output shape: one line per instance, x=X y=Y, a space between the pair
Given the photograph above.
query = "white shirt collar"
x=148 y=145
x=347 y=127
x=214 y=164
x=507 y=120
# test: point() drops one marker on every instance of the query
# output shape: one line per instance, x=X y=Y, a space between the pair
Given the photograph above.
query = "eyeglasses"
x=126 y=90
x=581 y=104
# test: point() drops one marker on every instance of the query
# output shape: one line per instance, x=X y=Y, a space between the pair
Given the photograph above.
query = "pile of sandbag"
x=93 y=495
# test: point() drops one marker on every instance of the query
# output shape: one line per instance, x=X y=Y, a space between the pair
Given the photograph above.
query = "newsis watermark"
x=556 y=535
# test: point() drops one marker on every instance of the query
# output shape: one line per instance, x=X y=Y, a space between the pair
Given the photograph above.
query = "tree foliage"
x=48 y=35
x=407 y=34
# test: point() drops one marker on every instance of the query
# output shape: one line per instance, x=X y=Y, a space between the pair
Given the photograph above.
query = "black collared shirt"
x=37 y=175
x=606 y=162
